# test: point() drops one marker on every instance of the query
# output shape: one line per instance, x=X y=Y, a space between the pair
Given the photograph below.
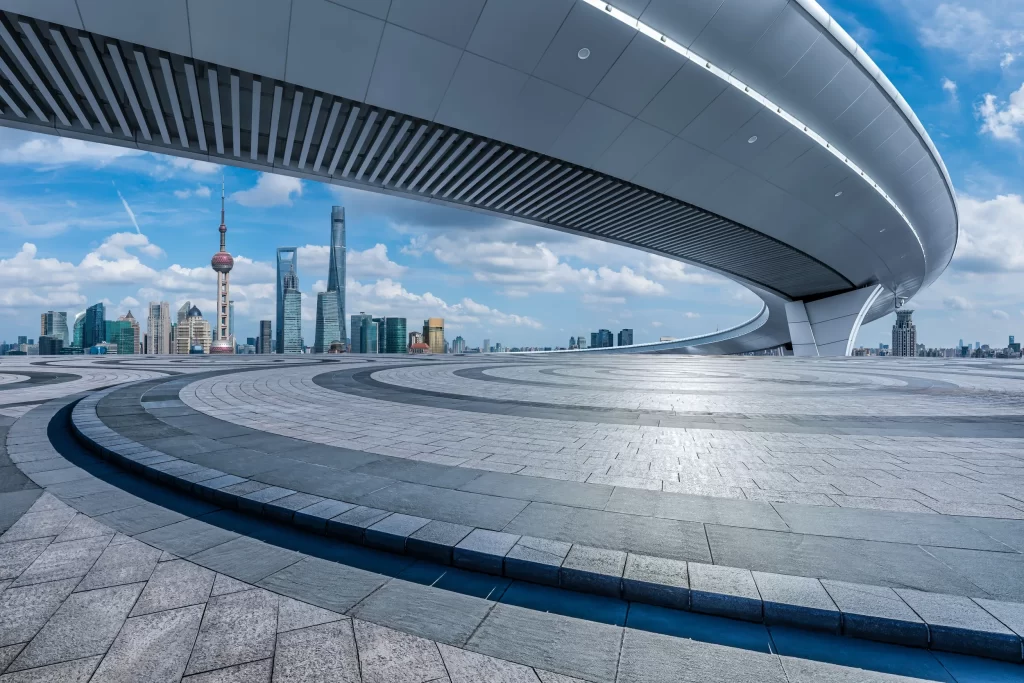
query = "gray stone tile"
x=174 y=584
x=8 y=653
x=330 y=585
x=236 y=628
x=391 y=532
x=429 y=612
x=77 y=671
x=483 y=550
x=23 y=611
x=1001 y=575
x=17 y=556
x=326 y=652
x=154 y=647
x=316 y=515
x=957 y=624
x=573 y=494
x=293 y=614
x=593 y=570
x=550 y=641
x=63 y=561
x=252 y=672
x=797 y=601
x=876 y=613
x=85 y=625
x=469 y=667
x=653 y=658
x=656 y=581
x=224 y=584
x=246 y=559
x=964 y=668
x=549 y=677
x=14 y=504
x=187 y=537
x=435 y=540
x=724 y=591
x=82 y=526
x=645 y=535
x=129 y=562
x=139 y=519
x=458 y=507
x=389 y=656
x=352 y=524
x=536 y=559
x=728 y=511
x=38 y=525
x=284 y=508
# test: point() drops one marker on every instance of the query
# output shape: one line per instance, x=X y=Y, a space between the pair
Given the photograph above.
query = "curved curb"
x=985 y=628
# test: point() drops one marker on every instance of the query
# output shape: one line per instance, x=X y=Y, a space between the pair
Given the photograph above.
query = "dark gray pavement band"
x=724 y=591
x=35 y=379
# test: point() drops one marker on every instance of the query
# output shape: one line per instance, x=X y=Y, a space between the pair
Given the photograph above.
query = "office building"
x=394 y=335
x=121 y=334
x=263 y=344
x=364 y=333
x=433 y=334
x=222 y=263
x=328 y=329
x=581 y=341
x=158 y=327
x=415 y=337
x=486 y=348
x=136 y=341
x=336 y=264
x=459 y=345
x=291 y=334
x=55 y=324
x=50 y=345
x=78 y=331
x=95 y=328
x=904 y=335
x=192 y=334
x=602 y=339
x=287 y=268
x=625 y=337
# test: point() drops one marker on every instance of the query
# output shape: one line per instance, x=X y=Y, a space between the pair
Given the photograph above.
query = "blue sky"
x=68 y=241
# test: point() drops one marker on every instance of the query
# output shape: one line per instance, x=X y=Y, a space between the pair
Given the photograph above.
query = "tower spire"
x=223 y=226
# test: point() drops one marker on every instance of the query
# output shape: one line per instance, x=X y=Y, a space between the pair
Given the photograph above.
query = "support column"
x=828 y=327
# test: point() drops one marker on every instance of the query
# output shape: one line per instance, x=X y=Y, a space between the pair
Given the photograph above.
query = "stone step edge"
x=772 y=599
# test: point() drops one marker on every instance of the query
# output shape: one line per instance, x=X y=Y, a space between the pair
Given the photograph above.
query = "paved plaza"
x=546 y=518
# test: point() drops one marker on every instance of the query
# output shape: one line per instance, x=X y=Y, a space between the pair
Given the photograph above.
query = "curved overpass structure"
x=750 y=137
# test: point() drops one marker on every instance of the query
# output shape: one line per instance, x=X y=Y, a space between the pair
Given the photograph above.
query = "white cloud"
x=270 y=190
x=1007 y=61
x=691 y=315
x=45 y=152
x=656 y=324
x=1000 y=315
x=201 y=191
x=195 y=165
x=950 y=88
x=981 y=31
x=1002 y=120
x=957 y=303
x=370 y=263
x=990 y=231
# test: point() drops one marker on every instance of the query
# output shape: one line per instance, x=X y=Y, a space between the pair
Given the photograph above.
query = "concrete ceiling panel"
x=375 y=8
x=539 y=115
x=480 y=93
x=592 y=130
x=721 y=119
x=680 y=20
x=777 y=51
x=633 y=150
x=735 y=28
x=450 y=21
x=685 y=96
x=412 y=72
x=641 y=71
x=517 y=32
x=161 y=25
x=258 y=44
x=57 y=11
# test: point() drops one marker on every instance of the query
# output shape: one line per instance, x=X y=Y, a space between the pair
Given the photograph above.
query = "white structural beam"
x=829 y=327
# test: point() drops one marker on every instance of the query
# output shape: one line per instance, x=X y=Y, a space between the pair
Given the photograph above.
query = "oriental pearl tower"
x=222 y=263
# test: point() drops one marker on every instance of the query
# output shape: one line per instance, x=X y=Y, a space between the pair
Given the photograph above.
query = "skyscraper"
x=904 y=335
x=336 y=265
x=433 y=334
x=192 y=330
x=291 y=332
x=605 y=339
x=263 y=341
x=364 y=333
x=626 y=337
x=55 y=324
x=486 y=348
x=222 y=263
x=287 y=266
x=122 y=334
x=79 y=330
x=394 y=333
x=95 y=328
x=328 y=330
x=581 y=342
x=459 y=345
x=136 y=345
x=158 y=326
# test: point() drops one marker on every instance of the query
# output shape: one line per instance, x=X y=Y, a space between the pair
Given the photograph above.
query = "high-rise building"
x=263 y=341
x=364 y=333
x=572 y=342
x=79 y=331
x=136 y=345
x=581 y=341
x=328 y=329
x=287 y=268
x=904 y=335
x=95 y=328
x=625 y=337
x=593 y=340
x=158 y=327
x=336 y=264
x=459 y=345
x=291 y=335
x=394 y=335
x=486 y=348
x=55 y=324
x=433 y=334
x=121 y=334
x=192 y=331
x=222 y=263
x=602 y=339
x=50 y=345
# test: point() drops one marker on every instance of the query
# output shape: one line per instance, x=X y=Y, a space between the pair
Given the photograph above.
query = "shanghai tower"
x=336 y=265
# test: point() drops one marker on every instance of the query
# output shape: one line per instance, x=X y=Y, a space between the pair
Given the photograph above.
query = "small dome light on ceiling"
x=752 y=139
x=839 y=194
x=583 y=53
